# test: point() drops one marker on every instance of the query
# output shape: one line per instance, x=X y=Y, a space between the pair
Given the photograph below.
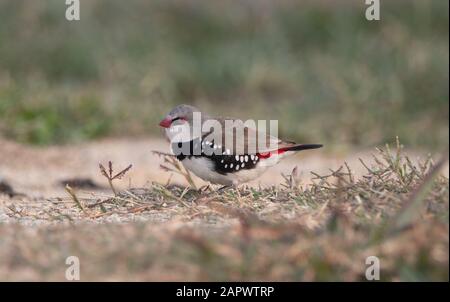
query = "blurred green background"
x=319 y=67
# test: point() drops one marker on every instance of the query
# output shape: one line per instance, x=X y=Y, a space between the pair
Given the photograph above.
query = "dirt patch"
x=318 y=226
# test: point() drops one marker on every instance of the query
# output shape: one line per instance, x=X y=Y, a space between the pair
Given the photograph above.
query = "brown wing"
x=240 y=138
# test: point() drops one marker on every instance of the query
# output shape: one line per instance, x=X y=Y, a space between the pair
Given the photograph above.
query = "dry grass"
x=398 y=211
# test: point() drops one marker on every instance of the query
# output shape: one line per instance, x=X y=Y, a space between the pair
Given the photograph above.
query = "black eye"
x=176 y=119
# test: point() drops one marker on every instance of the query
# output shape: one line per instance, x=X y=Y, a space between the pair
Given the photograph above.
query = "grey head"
x=180 y=112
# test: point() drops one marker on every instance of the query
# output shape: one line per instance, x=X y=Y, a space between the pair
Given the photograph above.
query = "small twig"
x=110 y=177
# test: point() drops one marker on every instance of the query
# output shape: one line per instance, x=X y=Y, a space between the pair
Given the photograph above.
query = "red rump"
x=269 y=154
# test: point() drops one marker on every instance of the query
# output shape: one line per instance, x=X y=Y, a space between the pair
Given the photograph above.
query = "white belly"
x=203 y=168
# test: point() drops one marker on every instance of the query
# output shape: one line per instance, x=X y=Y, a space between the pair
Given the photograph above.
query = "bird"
x=225 y=156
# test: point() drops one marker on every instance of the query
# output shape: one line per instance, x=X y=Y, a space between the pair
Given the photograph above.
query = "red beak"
x=166 y=122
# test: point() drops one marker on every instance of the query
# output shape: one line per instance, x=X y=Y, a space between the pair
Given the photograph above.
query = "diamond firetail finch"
x=222 y=150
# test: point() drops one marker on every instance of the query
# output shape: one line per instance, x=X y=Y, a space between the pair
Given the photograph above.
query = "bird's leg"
x=224 y=188
x=203 y=196
x=203 y=189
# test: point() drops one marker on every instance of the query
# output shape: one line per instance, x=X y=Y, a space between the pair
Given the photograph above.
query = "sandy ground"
x=42 y=226
x=38 y=172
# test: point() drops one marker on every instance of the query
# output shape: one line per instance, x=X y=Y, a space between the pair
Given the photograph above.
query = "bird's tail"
x=301 y=147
